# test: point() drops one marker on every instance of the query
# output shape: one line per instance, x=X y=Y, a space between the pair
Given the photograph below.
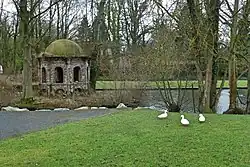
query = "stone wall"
x=67 y=65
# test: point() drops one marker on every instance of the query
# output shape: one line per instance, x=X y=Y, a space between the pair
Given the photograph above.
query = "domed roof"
x=64 y=48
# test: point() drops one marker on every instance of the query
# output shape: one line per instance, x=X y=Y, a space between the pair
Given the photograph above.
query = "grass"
x=153 y=84
x=135 y=138
x=150 y=84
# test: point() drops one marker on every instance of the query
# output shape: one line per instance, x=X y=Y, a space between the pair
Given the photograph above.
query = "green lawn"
x=135 y=138
x=153 y=84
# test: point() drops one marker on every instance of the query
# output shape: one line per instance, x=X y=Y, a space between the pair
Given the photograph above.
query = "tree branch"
x=145 y=31
x=161 y=6
x=17 y=6
x=225 y=20
x=225 y=13
x=229 y=7
x=39 y=14
x=243 y=73
x=33 y=8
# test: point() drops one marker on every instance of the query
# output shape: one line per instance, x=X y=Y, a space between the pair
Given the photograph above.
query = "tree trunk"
x=248 y=91
x=215 y=5
x=200 y=87
x=245 y=17
x=15 y=45
x=208 y=83
x=25 y=37
x=232 y=60
x=232 y=82
x=213 y=92
x=51 y=18
x=94 y=69
x=27 y=73
x=58 y=21
x=212 y=10
x=196 y=50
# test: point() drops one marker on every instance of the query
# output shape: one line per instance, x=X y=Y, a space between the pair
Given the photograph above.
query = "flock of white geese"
x=184 y=121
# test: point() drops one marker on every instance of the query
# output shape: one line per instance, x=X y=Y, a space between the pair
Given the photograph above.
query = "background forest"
x=138 y=40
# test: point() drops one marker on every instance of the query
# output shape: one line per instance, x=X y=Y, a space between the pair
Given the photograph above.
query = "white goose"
x=184 y=121
x=201 y=118
x=163 y=115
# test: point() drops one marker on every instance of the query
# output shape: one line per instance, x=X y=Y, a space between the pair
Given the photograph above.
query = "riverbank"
x=104 y=99
x=110 y=97
x=131 y=98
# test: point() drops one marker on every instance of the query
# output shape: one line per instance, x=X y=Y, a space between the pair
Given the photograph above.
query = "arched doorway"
x=44 y=77
x=76 y=74
x=59 y=75
x=87 y=74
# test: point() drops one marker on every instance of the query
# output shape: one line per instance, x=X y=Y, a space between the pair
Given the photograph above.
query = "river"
x=152 y=98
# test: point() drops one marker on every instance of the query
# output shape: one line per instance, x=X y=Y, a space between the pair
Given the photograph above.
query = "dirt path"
x=17 y=123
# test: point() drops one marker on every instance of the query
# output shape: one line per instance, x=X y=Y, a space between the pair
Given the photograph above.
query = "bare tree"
x=27 y=16
x=232 y=60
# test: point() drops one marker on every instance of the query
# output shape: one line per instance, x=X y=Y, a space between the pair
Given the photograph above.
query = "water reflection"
x=223 y=102
x=152 y=99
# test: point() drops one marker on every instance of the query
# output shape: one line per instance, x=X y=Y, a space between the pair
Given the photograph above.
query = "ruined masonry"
x=63 y=69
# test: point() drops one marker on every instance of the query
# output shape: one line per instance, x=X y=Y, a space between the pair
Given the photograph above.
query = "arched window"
x=76 y=74
x=44 y=75
x=59 y=75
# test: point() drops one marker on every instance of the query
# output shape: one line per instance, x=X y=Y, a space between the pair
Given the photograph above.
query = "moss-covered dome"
x=64 y=47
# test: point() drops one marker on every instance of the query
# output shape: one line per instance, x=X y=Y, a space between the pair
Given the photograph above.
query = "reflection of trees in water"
x=153 y=98
x=223 y=102
x=242 y=98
